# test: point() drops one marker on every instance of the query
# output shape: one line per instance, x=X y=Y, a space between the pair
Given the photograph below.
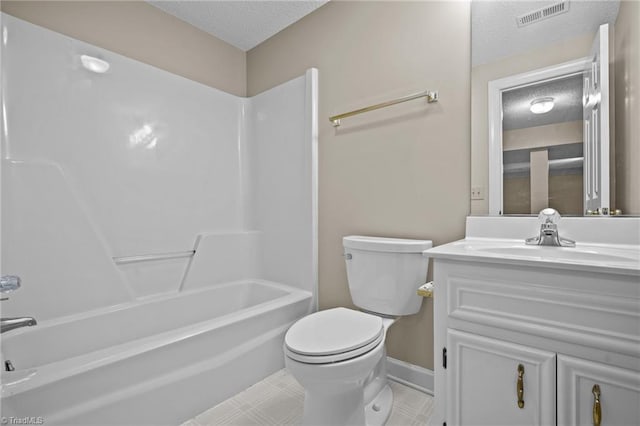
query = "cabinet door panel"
x=482 y=378
x=619 y=393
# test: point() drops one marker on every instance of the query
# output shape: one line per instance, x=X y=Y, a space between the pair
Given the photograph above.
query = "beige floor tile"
x=256 y=394
x=287 y=380
x=279 y=400
x=409 y=401
x=421 y=419
x=221 y=414
x=277 y=376
x=399 y=419
x=282 y=408
x=251 y=418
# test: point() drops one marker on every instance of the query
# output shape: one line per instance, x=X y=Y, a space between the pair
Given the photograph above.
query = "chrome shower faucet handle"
x=9 y=283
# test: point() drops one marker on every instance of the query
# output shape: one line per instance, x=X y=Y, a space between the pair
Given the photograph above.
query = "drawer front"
x=576 y=308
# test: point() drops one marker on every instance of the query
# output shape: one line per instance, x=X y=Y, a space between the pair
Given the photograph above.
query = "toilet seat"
x=328 y=359
x=333 y=335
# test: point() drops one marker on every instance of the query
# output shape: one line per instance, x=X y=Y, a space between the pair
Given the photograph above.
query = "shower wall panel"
x=141 y=161
x=136 y=161
x=283 y=145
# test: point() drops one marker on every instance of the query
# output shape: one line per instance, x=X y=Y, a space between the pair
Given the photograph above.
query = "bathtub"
x=157 y=361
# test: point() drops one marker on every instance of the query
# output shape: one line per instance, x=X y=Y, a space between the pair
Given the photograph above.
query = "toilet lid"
x=334 y=331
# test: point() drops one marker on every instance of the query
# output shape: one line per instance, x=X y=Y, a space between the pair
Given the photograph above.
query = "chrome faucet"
x=8 y=324
x=9 y=283
x=549 y=231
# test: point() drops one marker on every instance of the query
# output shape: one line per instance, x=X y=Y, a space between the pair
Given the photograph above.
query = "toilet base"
x=377 y=411
x=340 y=394
x=347 y=408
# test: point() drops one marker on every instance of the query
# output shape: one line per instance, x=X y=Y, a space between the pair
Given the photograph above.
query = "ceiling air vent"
x=543 y=13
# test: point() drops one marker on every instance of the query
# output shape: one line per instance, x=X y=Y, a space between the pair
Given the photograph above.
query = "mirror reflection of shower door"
x=596 y=125
x=517 y=130
x=542 y=150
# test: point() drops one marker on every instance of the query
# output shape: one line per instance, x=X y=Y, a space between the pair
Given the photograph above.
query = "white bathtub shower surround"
x=49 y=241
x=138 y=162
x=156 y=362
x=223 y=257
x=284 y=168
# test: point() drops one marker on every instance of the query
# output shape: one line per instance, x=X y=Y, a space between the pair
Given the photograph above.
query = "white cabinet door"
x=483 y=378
x=618 y=389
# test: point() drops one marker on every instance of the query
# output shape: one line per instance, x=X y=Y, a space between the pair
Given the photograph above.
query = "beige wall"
x=542 y=136
x=140 y=31
x=627 y=99
x=517 y=195
x=565 y=194
x=402 y=171
x=564 y=51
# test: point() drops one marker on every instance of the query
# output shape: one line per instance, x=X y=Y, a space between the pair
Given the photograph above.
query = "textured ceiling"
x=244 y=24
x=567 y=94
x=495 y=34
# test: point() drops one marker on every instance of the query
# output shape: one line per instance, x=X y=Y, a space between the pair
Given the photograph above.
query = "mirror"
x=542 y=147
x=547 y=129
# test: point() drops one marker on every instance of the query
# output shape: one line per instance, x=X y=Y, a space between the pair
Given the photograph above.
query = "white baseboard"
x=410 y=375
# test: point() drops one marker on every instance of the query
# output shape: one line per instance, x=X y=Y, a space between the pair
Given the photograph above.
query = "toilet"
x=338 y=355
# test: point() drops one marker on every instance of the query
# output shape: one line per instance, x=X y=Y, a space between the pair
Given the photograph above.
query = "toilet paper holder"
x=426 y=289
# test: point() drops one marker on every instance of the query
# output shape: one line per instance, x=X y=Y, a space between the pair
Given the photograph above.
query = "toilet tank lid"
x=397 y=245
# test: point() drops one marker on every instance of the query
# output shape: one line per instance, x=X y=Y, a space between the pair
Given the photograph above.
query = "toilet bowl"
x=334 y=379
x=338 y=355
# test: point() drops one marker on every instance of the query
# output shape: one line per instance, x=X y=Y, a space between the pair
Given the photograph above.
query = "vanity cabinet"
x=518 y=344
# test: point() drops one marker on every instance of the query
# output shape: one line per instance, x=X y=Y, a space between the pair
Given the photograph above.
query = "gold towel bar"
x=432 y=96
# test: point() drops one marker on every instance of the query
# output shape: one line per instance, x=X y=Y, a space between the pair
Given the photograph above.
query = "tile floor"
x=278 y=400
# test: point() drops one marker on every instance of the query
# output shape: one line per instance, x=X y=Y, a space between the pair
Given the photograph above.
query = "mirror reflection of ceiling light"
x=541 y=105
x=94 y=64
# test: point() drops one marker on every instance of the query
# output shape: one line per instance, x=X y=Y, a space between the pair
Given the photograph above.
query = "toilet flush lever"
x=347 y=256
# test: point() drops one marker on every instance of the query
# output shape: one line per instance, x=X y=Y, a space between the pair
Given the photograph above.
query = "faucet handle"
x=549 y=215
x=9 y=283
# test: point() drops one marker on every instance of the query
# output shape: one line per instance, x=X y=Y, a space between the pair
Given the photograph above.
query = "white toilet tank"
x=385 y=273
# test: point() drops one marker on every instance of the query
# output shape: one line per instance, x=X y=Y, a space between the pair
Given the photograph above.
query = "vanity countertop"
x=608 y=258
